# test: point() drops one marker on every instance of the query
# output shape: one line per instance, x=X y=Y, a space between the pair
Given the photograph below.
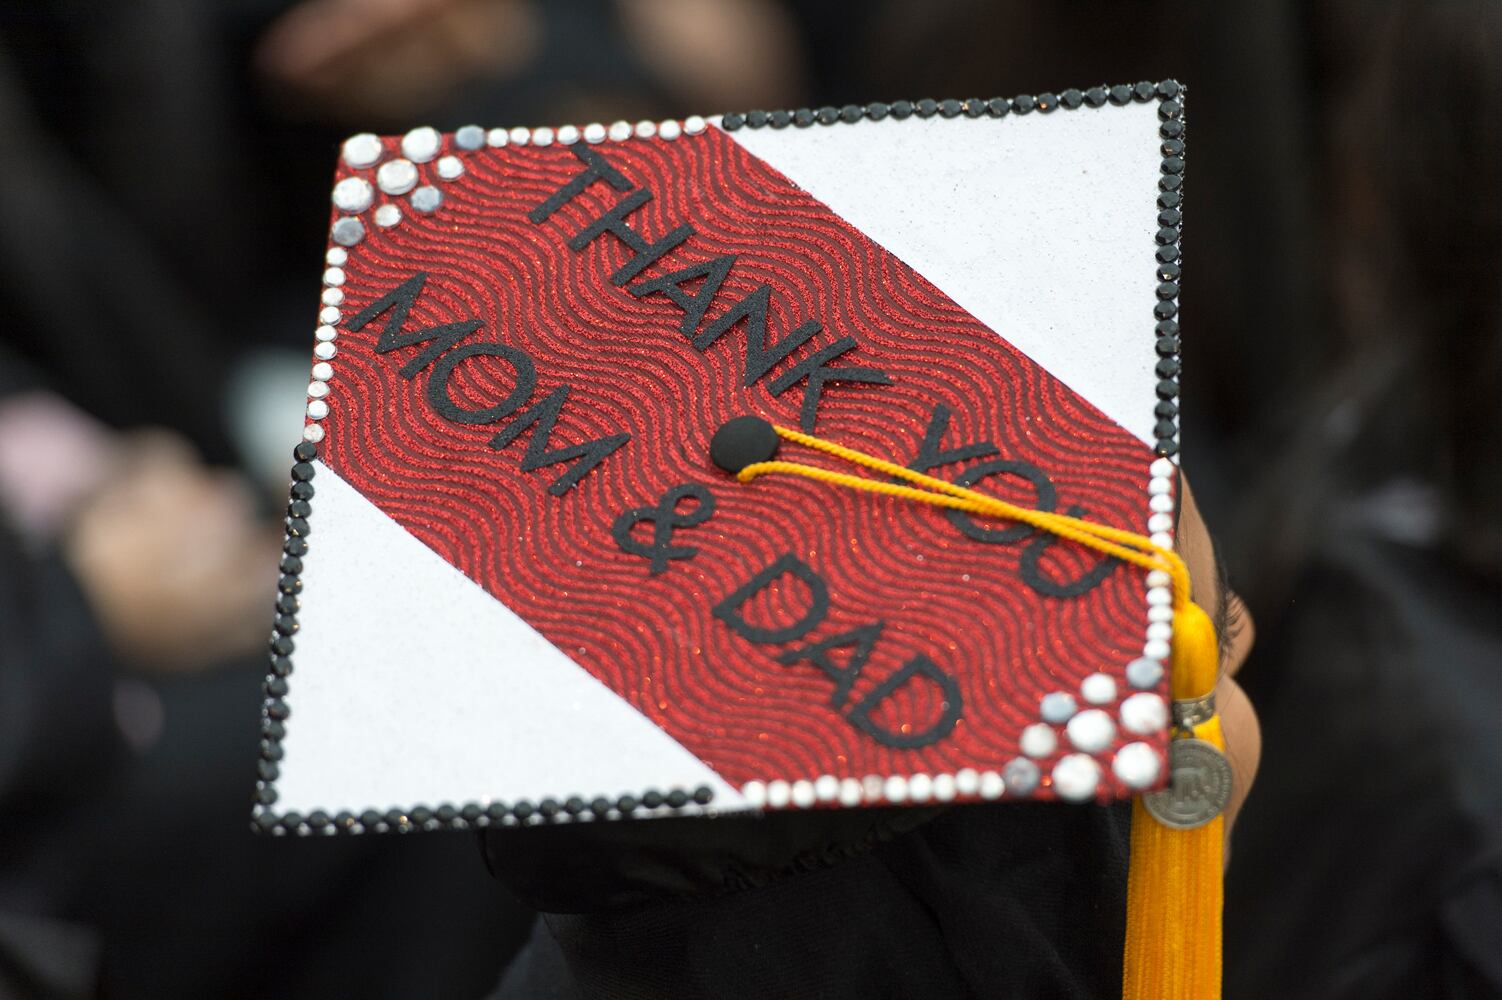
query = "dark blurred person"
x=158 y=217
x=1370 y=865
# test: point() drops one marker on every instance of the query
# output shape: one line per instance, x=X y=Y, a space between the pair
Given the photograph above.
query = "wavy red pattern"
x=652 y=639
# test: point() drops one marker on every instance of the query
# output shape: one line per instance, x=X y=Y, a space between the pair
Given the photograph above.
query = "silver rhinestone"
x=397 y=177
x=1161 y=539
x=1161 y=467
x=1098 y=689
x=1144 y=714
x=851 y=792
x=992 y=785
x=803 y=794
x=1160 y=630
x=827 y=788
x=450 y=167
x=779 y=794
x=1159 y=596
x=318 y=389
x=323 y=371
x=895 y=788
x=619 y=131
x=1162 y=503
x=967 y=781
x=362 y=150
x=496 y=137
x=328 y=316
x=669 y=129
x=871 y=786
x=421 y=144
x=1091 y=731
x=1075 y=777
x=542 y=136
x=1160 y=613
x=1038 y=740
x=324 y=352
x=1159 y=578
x=1137 y=765
x=469 y=137
x=387 y=216
x=336 y=256
x=333 y=276
x=325 y=333
x=1156 y=649
x=693 y=124
x=646 y=129
x=520 y=135
x=1159 y=486
x=1056 y=707
x=317 y=409
x=568 y=134
x=313 y=433
x=353 y=195
x=755 y=793
x=1160 y=522
x=348 y=231
x=1143 y=673
x=1021 y=776
x=944 y=788
x=333 y=296
x=920 y=787
x=594 y=132
x=426 y=199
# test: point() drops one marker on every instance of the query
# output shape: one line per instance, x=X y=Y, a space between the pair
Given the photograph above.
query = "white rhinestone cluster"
x=397 y=176
x=387 y=179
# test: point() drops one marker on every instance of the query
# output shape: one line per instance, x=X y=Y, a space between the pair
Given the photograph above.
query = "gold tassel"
x=1175 y=887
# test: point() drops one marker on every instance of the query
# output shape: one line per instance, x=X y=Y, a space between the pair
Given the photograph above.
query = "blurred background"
x=164 y=171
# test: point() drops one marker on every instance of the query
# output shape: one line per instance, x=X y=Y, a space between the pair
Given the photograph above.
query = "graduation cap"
x=786 y=460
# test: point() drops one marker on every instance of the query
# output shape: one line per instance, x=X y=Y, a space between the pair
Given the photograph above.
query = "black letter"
x=860 y=715
x=761 y=356
x=812 y=368
x=728 y=610
x=863 y=639
x=443 y=338
x=539 y=453
x=1032 y=574
x=967 y=524
x=694 y=306
x=930 y=457
x=613 y=221
x=400 y=300
x=598 y=169
x=644 y=255
x=438 y=383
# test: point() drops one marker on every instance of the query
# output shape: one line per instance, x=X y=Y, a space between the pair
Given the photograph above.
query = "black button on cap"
x=741 y=442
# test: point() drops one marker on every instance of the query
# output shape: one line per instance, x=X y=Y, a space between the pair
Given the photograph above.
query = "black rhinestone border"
x=474 y=815
x=445 y=816
x=1170 y=97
